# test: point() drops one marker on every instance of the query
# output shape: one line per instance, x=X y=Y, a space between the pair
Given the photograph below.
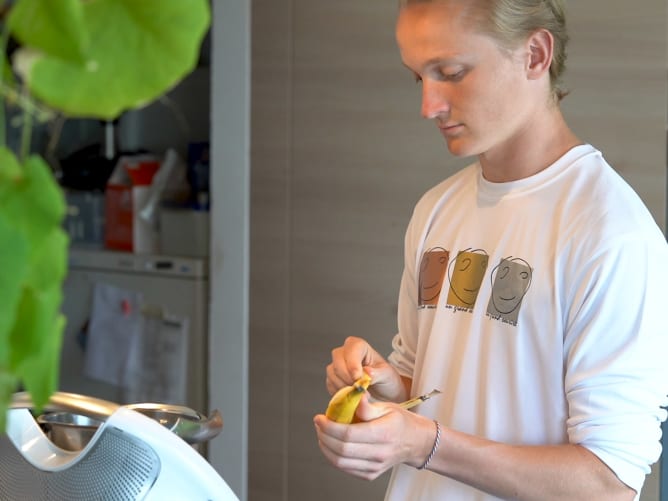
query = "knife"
x=408 y=404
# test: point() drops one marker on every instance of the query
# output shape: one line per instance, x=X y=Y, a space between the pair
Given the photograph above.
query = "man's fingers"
x=366 y=411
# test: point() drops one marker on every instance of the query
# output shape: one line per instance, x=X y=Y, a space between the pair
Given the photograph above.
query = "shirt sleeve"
x=404 y=343
x=616 y=344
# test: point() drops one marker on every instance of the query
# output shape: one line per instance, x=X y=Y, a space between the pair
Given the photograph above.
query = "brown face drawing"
x=432 y=272
x=466 y=275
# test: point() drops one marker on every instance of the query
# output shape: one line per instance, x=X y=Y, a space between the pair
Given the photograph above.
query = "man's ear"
x=540 y=47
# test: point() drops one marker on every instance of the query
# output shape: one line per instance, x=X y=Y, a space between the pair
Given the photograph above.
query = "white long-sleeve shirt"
x=537 y=308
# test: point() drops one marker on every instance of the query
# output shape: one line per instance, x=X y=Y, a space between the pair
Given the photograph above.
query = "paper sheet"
x=142 y=349
x=156 y=369
x=115 y=320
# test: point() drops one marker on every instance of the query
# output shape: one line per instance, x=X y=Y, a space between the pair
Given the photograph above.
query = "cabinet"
x=172 y=286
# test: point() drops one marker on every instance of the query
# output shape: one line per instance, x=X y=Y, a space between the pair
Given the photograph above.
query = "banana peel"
x=344 y=403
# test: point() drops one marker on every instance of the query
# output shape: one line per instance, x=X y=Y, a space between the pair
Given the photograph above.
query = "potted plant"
x=76 y=59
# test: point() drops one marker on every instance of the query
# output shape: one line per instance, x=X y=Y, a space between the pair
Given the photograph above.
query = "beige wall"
x=339 y=156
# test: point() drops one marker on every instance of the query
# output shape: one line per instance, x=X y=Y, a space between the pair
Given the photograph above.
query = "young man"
x=532 y=293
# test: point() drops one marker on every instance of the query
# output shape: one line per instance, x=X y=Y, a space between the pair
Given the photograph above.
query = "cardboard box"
x=126 y=193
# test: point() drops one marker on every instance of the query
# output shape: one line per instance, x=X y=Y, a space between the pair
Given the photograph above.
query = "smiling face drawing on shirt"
x=511 y=281
x=466 y=274
x=432 y=272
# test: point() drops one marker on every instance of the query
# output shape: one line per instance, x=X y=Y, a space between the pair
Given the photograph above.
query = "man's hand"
x=386 y=436
x=355 y=357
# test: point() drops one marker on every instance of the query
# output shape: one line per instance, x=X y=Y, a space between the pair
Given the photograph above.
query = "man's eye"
x=454 y=77
x=417 y=77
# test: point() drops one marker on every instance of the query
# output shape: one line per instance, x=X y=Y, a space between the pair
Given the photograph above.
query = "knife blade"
x=408 y=404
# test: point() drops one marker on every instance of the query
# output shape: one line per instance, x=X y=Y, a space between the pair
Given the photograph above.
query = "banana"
x=344 y=403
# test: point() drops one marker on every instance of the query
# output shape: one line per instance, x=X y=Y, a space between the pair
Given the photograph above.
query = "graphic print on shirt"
x=465 y=274
x=432 y=274
x=511 y=279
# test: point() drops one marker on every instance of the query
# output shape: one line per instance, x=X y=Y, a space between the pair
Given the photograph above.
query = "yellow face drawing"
x=432 y=273
x=466 y=275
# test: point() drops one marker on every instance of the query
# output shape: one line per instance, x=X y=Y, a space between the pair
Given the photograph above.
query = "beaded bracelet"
x=437 y=440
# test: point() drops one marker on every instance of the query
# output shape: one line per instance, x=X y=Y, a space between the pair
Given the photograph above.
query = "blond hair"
x=510 y=22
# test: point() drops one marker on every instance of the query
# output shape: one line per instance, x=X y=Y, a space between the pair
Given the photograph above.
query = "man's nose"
x=434 y=100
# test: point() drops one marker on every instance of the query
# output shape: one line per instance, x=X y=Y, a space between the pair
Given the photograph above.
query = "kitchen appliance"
x=130 y=457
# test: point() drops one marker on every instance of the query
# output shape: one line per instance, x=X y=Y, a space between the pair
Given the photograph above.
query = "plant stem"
x=26 y=103
x=26 y=133
x=3 y=62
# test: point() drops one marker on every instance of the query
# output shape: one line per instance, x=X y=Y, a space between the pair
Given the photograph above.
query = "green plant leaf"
x=34 y=201
x=54 y=27
x=34 y=319
x=7 y=74
x=8 y=385
x=10 y=169
x=48 y=262
x=33 y=248
x=14 y=256
x=40 y=370
x=138 y=50
x=42 y=191
x=14 y=250
x=35 y=342
x=39 y=305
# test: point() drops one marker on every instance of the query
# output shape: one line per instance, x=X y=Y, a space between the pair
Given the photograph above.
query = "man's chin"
x=460 y=148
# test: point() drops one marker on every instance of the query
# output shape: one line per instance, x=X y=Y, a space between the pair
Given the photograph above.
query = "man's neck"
x=542 y=142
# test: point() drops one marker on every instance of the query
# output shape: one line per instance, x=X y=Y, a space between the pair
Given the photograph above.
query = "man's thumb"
x=367 y=411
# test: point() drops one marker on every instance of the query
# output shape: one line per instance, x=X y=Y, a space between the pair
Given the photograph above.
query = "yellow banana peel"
x=344 y=403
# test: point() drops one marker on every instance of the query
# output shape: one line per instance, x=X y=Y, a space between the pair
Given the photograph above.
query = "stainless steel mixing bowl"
x=67 y=430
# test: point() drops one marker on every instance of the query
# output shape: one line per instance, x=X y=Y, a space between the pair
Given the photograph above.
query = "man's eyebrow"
x=435 y=61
